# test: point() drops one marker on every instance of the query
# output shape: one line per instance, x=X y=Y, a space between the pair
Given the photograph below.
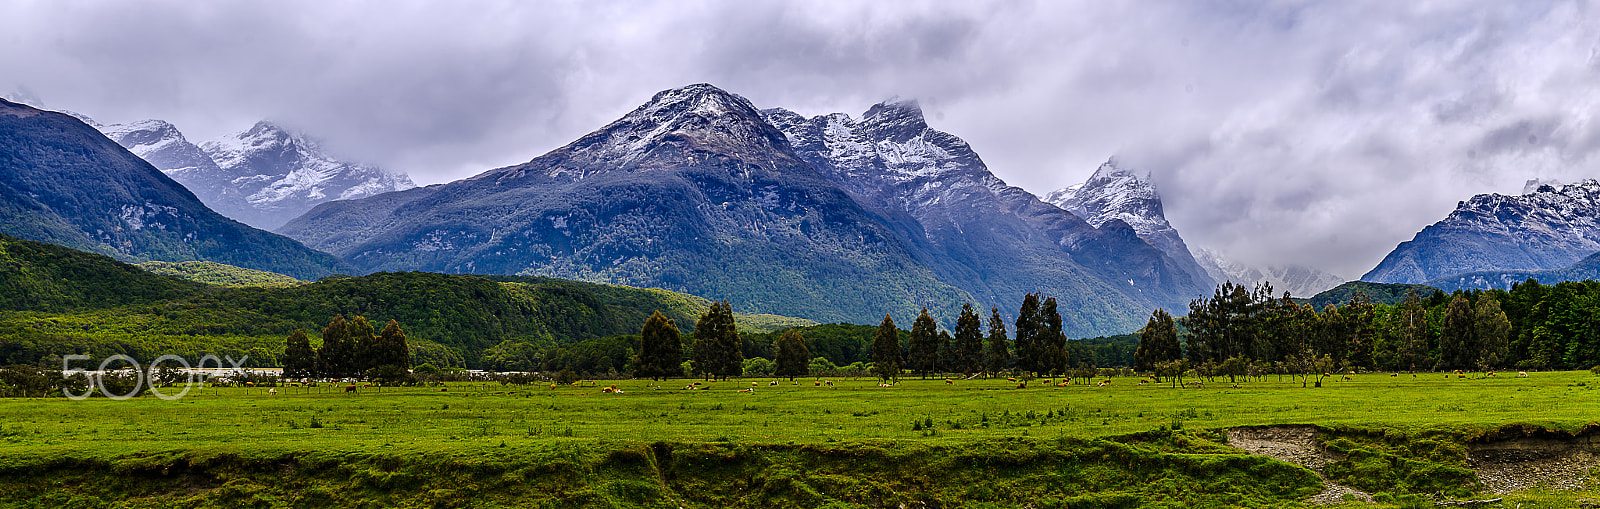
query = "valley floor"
x=1400 y=440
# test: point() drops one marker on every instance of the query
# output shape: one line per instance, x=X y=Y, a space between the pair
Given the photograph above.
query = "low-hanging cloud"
x=1278 y=132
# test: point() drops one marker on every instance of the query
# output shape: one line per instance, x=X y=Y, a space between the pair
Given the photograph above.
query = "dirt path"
x=1298 y=445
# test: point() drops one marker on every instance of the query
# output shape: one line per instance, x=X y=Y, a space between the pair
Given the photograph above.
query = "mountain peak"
x=677 y=127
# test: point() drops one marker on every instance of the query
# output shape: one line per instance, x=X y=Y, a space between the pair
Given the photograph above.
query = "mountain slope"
x=62 y=181
x=55 y=299
x=995 y=240
x=1113 y=192
x=691 y=192
x=1586 y=269
x=1548 y=228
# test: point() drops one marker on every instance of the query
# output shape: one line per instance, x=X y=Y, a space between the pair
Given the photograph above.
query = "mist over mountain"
x=64 y=182
x=697 y=191
x=1298 y=280
x=1114 y=192
x=263 y=176
x=1548 y=227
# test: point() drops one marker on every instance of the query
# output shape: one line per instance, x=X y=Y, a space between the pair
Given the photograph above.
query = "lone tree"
x=999 y=349
x=365 y=345
x=717 y=348
x=1458 y=342
x=886 y=350
x=923 y=354
x=660 y=349
x=1053 y=348
x=1492 y=330
x=1030 y=336
x=1158 y=342
x=299 y=360
x=794 y=357
x=968 y=348
x=334 y=359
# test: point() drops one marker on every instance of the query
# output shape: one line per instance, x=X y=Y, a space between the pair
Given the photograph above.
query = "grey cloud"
x=1321 y=133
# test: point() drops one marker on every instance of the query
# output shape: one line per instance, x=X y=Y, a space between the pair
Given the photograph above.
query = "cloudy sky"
x=1318 y=133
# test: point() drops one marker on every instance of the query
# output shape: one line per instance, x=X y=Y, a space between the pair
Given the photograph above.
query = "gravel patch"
x=1557 y=468
x=1297 y=445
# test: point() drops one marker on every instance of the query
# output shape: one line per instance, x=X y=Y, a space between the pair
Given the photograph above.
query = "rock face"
x=1298 y=280
x=1548 y=228
x=63 y=182
x=1116 y=193
x=263 y=176
x=696 y=191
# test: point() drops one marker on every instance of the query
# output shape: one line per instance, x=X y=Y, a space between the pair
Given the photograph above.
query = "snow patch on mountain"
x=1114 y=193
x=1547 y=227
x=281 y=174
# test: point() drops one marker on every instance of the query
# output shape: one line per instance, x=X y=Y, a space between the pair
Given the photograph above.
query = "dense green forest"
x=56 y=301
x=1532 y=326
x=220 y=274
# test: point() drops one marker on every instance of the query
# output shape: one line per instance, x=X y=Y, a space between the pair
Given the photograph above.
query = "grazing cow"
x=350 y=389
x=815 y=383
x=447 y=389
x=829 y=383
x=753 y=384
x=1022 y=385
x=774 y=382
x=1394 y=374
x=273 y=392
x=949 y=381
x=1522 y=374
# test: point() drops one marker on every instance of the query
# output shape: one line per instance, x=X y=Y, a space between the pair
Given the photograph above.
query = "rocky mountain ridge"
x=1550 y=227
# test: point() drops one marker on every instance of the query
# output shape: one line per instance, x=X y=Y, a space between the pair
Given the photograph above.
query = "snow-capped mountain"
x=997 y=240
x=64 y=182
x=697 y=191
x=263 y=176
x=1113 y=192
x=1548 y=227
x=1298 y=280
x=281 y=174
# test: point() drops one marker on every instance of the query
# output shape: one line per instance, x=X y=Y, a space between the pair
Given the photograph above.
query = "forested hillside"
x=61 y=301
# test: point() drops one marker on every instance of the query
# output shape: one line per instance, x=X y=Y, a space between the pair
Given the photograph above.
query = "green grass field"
x=399 y=446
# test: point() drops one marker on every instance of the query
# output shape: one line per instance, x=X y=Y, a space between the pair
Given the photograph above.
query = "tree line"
x=1532 y=326
x=1040 y=346
x=349 y=349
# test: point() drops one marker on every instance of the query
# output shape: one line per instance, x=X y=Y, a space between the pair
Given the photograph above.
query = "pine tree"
x=660 y=349
x=886 y=350
x=1055 y=357
x=1158 y=342
x=1030 y=336
x=947 y=354
x=364 y=345
x=923 y=354
x=333 y=360
x=794 y=357
x=968 y=347
x=999 y=351
x=1413 y=332
x=718 y=350
x=299 y=360
x=392 y=348
x=1458 y=347
x=1492 y=329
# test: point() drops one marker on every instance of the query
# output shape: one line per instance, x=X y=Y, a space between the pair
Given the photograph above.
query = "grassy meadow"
x=970 y=443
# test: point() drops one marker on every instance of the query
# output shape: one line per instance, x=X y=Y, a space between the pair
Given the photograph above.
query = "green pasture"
x=891 y=443
x=468 y=414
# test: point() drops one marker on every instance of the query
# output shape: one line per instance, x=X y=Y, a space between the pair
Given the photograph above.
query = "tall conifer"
x=999 y=348
x=333 y=360
x=299 y=360
x=660 y=349
x=1030 y=336
x=968 y=348
x=923 y=354
x=886 y=350
x=794 y=357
